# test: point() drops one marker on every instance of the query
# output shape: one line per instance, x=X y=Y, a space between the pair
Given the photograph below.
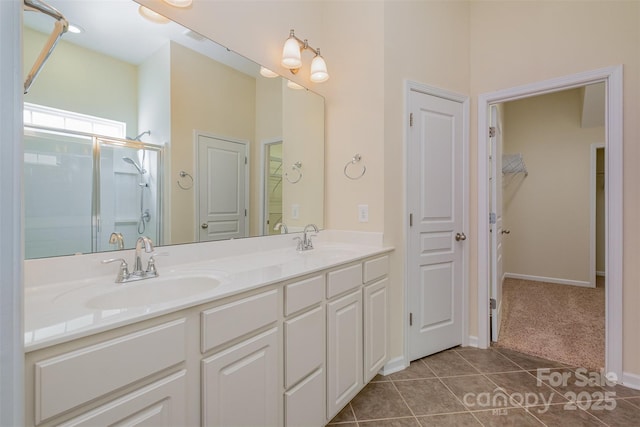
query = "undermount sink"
x=153 y=291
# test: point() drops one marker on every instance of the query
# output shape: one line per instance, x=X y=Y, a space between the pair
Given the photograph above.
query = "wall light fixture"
x=292 y=58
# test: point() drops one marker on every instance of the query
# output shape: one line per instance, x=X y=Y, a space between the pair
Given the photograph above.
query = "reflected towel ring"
x=353 y=161
x=297 y=168
x=189 y=185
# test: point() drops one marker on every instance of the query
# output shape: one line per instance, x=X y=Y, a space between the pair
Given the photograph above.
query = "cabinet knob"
x=204 y=225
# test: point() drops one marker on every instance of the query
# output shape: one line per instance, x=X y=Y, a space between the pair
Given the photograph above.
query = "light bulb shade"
x=291 y=57
x=293 y=85
x=179 y=3
x=152 y=16
x=265 y=72
x=319 y=72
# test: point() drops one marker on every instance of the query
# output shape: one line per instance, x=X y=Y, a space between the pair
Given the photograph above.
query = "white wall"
x=468 y=47
x=548 y=212
x=92 y=83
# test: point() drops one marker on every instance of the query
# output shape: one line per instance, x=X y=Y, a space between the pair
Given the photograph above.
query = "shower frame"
x=97 y=141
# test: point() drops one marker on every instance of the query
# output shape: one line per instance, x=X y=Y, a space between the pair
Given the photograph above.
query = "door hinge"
x=410 y=119
x=493 y=304
x=245 y=212
x=410 y=319
x=245 y=160
x=410 y=220
x=492 y=217
x=492 y=131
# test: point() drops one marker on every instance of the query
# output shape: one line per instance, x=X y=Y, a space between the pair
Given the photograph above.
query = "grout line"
x=413 y=414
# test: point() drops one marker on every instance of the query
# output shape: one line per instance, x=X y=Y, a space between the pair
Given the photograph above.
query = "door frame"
x=263 y=171
x=593 y=194
x=196 y=179
x=612 y=76
x=464 y=100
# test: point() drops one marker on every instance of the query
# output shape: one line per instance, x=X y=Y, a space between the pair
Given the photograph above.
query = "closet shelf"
x=513 y=164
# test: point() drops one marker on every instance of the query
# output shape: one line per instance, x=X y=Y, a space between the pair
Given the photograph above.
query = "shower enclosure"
x=80 y=188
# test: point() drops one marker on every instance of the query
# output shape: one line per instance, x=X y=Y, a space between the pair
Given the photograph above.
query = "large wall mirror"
x=135 y=127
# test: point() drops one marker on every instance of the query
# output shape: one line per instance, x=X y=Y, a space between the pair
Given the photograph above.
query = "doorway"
x=550 y=305
x=612 y=77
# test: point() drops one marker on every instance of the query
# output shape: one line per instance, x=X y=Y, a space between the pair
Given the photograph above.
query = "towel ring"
x=189 y=185
x=297 y=168
x=353 y=161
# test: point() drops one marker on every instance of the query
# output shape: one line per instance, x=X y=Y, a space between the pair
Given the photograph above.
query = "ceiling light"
x=265 y=72
x=152 y=16
x=75 y=29
x=179 y=3
x=292 y=58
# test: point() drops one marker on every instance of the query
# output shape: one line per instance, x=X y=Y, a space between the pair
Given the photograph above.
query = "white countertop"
x=62 y=311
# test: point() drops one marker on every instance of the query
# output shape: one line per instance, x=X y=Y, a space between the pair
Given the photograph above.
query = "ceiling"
x=115 y=28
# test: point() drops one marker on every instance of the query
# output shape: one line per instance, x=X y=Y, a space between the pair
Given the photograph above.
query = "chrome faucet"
x=138 y=273
x=117 y=239
x=148 y=248
x=283 y=225
x=306 y=244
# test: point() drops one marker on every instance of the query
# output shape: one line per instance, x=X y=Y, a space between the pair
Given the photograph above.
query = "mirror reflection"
x=145 y=128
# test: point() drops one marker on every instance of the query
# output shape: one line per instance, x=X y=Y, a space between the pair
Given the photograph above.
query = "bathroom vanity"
x=270 y=337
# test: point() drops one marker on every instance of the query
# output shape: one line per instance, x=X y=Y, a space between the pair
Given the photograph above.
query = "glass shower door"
x=58 y=173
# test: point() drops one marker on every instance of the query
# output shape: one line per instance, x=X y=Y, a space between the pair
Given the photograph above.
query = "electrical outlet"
x=295 y=211
x=363 y=213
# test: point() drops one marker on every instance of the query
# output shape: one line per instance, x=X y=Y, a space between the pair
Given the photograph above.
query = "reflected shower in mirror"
x=117 y=119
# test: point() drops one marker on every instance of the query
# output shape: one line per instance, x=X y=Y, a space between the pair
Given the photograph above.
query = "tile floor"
x=467 y=386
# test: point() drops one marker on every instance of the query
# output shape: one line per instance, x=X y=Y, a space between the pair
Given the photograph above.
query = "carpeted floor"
x=558 y=322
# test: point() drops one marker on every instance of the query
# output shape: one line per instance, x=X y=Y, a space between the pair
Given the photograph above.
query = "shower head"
x=129 y=160
x=137 y=138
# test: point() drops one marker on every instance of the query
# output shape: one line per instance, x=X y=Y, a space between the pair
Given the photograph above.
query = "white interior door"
x=436 y=238
x=221 y=189
x=495 y=218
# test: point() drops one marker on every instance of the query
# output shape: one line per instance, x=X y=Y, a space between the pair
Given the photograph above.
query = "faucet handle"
x=309 y=241
x=123 y=271
x=151 y=265
x=300 y=245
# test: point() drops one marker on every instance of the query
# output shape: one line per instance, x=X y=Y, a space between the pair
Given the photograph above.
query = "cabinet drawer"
x=66 y=381
x=162 y=403
x=303 y=294
x=304 y=345
x=376 y=268
x=304 y=404
x=230 y=321
x=343 y=280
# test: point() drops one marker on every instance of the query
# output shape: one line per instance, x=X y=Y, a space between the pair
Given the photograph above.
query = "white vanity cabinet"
x=304 y=352
x=240 y=382
x=288 y=354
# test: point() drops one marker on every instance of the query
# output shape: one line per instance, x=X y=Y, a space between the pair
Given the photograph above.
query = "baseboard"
x=600 y=273
x=393 y=365
x=548 y=280
x=472 y=341
x=631 y=380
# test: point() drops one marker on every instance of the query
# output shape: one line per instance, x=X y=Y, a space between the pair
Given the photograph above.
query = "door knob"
x=460 y=236
x=204 y=225
x=506 y=231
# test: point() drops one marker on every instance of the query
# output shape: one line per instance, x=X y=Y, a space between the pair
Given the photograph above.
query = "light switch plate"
x=295 y=211
x=363 y=213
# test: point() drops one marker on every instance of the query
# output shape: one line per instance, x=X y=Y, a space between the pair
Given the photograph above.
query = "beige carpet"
x=557 y=322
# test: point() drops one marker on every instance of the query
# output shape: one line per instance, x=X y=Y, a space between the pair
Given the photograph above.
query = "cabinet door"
x=303 y=345
x=344 y=351
x=375 y=328
x=240 y=384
